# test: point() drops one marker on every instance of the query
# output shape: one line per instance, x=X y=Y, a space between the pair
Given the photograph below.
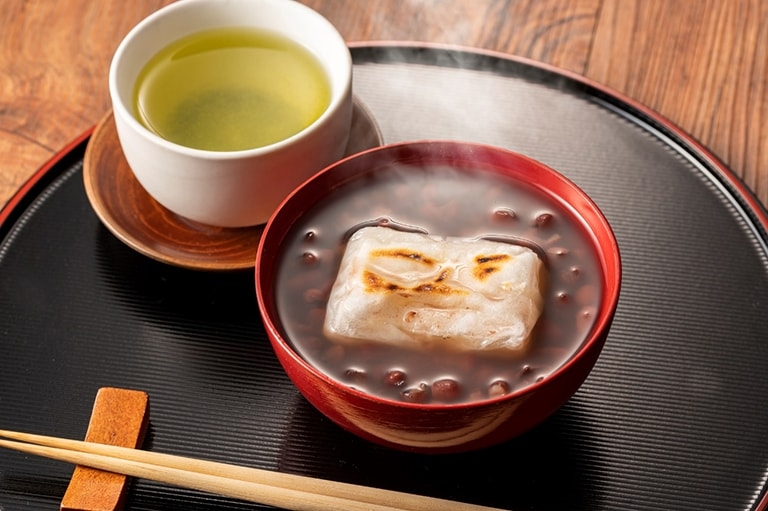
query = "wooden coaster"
x=120 y=417
x=135 y=218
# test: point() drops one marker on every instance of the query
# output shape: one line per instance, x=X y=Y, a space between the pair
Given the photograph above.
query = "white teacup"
x=230 y=188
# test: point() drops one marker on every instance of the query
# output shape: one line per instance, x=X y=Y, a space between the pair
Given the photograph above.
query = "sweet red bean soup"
x=441 y=201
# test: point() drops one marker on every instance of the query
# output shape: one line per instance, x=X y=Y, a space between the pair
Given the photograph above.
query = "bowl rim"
x=606 y=247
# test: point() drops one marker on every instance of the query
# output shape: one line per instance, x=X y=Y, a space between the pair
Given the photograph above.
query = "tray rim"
x=620 y=103
x=735 y=186
x=10 y=210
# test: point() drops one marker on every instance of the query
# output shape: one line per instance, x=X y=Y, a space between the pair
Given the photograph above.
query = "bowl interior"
x=448 y=189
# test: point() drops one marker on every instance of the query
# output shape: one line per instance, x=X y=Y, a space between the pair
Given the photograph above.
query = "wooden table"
x=703 y=64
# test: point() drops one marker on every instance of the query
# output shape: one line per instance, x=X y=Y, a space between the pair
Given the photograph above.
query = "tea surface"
x=231 y=89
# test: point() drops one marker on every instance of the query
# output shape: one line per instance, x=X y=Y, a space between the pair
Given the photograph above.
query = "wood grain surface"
x=702 y=64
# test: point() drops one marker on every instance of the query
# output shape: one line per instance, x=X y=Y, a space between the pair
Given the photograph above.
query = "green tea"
x=230 y=89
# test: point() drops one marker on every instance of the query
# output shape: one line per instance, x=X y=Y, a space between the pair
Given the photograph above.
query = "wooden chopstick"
x=299 y=493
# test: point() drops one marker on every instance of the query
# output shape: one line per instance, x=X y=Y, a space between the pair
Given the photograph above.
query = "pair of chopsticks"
x=277 y=489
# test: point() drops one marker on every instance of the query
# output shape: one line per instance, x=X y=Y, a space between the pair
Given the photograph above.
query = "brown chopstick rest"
x=119 y=417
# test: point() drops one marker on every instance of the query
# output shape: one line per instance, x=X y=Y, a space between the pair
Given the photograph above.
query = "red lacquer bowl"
x=434 y=427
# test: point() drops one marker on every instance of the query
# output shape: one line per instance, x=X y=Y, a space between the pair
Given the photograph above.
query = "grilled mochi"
x=415 y=290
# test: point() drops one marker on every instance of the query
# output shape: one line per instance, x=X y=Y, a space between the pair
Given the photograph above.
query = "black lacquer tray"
x=672 y=417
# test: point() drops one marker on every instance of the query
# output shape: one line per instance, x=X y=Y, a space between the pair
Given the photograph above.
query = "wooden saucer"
x=132 y=215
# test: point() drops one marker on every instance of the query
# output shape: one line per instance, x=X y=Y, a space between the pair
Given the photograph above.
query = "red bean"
x=395 y=378
x=544 y=220
x=572 y=274
x=355 y=375
x=446 y=390
x=504 y=214
x=418 y=394
x=585 y=318
x=558 y=251
x=498 y=388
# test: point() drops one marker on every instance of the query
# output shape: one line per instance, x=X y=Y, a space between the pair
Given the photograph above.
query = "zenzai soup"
x=442 y=201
